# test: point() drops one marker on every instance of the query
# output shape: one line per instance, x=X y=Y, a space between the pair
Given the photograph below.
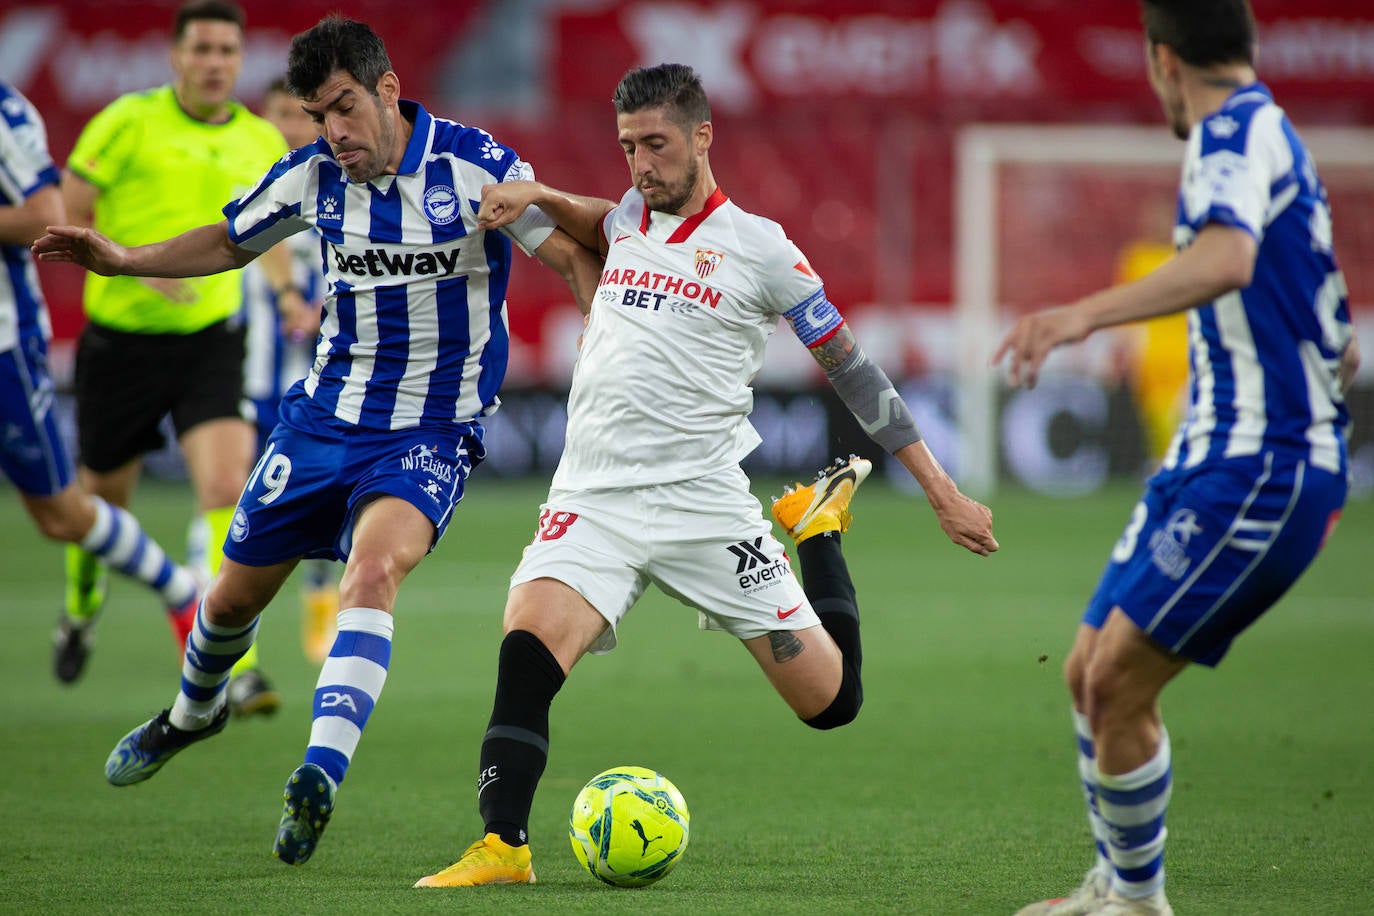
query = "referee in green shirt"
x=149 y=166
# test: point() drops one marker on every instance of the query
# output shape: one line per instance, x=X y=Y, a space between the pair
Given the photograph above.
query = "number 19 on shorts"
x=275 y=471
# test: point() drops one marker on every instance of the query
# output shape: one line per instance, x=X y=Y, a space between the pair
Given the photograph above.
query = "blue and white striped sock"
x=1133 y=806
x=1087 y=776
x=210 y=652
x=119 y=540
x=349 y=685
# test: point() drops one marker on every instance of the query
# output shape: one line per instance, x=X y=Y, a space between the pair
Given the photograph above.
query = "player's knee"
x=371 y=579
x=57 y=526
x=1108 y=695
x=845 y=707
x=225 y=606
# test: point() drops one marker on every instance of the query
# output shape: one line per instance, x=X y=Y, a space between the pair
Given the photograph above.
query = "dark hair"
x=1202 y=32
x=335 y=43
x=674 y=86
x=277 y=87
x=195 y=10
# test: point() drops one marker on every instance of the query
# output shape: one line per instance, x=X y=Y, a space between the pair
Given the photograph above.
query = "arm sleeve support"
x=868 y=393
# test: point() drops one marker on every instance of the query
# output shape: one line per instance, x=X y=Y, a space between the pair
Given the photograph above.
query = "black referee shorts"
x=126 y=383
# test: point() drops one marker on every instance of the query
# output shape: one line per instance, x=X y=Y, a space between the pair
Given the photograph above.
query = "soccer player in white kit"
x=649 y=489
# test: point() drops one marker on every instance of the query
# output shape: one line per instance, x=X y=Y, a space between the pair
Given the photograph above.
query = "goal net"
x=1045 y=214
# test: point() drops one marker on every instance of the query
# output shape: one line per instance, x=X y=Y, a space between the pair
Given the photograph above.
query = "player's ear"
x=702 y=137
x=1164 y=61
x=389 y=87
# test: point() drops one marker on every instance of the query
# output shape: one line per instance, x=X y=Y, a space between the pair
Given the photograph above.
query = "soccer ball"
x=628 y=826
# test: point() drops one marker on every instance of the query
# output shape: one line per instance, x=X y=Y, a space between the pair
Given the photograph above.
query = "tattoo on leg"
x=786 y=646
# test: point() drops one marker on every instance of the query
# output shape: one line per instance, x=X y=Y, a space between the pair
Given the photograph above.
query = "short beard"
x=1178 y=123
x=384 y=148
x=1180 y=129
x=682 y=193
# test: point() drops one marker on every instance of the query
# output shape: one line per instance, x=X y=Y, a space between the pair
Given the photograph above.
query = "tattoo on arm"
x=835 y=350
x=786 y=645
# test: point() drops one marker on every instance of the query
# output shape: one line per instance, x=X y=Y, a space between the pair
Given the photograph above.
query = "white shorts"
x=704 y=542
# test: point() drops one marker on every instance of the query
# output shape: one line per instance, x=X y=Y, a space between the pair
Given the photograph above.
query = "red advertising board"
x=72 y=57
x=1014 y=52
x=835 y=119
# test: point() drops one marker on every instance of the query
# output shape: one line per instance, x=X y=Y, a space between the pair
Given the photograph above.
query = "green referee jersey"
x=161 y=172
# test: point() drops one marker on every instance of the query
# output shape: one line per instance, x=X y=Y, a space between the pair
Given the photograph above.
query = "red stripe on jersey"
x=689 y=225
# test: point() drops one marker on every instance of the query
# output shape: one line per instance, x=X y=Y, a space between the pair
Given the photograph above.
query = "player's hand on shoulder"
x=503 y=203
x=968 y=523
x=1032 y=338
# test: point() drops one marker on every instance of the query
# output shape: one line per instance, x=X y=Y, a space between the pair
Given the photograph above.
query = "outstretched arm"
x=580 y=217
x=195 y=253
x=80 y=196
x=871 y=397
x=1221 y=259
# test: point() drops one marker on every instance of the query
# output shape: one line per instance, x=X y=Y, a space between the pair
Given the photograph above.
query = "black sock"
x=516 y=745
x=826 y=581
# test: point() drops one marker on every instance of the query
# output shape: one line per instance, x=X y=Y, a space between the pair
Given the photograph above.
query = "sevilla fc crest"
x=707 y=262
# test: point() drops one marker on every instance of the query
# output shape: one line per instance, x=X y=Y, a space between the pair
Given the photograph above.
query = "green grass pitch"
x=955 y=791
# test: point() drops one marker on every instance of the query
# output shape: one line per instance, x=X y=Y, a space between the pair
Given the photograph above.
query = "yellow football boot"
x=488 y=861
x=806 y=511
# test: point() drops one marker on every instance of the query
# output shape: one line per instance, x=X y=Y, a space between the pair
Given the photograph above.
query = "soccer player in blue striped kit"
x=373 y=449
x=1255 y=477
x=32 y=454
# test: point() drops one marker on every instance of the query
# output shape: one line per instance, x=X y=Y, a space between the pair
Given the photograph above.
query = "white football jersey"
x=661 y=389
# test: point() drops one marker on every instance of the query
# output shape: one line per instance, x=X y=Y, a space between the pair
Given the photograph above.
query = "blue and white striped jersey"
x=25 y=167
x=414 y=328
x=1264 y=358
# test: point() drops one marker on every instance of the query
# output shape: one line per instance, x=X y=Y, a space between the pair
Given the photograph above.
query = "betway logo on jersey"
x=396 y=262
x=657 y=288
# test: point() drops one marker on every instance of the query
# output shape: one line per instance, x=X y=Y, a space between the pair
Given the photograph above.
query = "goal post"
x=1008 y=176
